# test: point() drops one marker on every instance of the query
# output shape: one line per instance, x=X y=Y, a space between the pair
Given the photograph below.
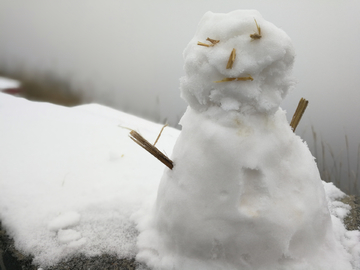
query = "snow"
x=268 y=60
x=54 y=205
x=8 y=83
x=244 y=193
x=255 y=200
x=71 y=177
x=67 y=236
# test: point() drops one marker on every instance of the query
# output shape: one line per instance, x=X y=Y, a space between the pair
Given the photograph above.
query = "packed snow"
x=72 y=182
x=71 y=177
x=268 y=60
x=244 y=193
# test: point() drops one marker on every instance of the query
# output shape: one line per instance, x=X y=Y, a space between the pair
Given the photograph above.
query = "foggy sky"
x=128 y=54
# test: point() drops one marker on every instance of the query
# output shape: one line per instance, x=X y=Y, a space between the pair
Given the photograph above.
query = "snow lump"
x=245 y=191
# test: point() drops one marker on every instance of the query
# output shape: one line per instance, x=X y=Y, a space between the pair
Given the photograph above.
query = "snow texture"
x=71 y=178
x=268 y=60
x=245 y=191
x=101 y=198
x=65 y=220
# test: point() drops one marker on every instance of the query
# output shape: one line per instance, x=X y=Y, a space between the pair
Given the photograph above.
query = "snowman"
x=245 y=191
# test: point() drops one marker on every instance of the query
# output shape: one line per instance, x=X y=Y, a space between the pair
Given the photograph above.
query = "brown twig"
x=158 y=137
x=231 y=59
x=258 y=34
x=249 y=78
x=212 y=41
x=204 y=44
x=298 y=113
x=140 y=140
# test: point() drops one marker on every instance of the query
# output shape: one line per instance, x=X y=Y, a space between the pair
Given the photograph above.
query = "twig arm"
x=298 y=113
x=140 y=140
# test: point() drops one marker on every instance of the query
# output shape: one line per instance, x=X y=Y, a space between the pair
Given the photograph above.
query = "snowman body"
x=245 y=191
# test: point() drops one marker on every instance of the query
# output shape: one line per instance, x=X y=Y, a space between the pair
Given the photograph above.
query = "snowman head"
x=237 y=62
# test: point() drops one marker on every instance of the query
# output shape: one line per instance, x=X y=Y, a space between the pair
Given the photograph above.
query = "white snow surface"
x=71 y=178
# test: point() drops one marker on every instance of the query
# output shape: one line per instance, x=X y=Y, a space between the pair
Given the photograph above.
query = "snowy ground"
x=71 y=179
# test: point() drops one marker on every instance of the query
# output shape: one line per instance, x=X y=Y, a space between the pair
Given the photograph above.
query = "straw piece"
x=158 y=137
x=212 y=41
x=204 y=44
x=298 y=113
x=231 y=59
x=140 y=140
x=249 y=78
x=258 y=34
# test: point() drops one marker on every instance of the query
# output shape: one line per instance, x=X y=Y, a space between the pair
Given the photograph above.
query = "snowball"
x=268 y=61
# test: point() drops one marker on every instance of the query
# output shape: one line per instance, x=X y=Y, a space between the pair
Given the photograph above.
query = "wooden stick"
x=249 y=78
x=140 y=140
x=231 y=59
x=298 y=113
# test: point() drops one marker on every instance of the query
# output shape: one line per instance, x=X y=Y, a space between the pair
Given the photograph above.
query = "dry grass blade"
x=204 y=44
x=212 y=41
x=158 y=137
x=348 y=159
x=140 y=140
x=357 y=169
x=315 y=140
x=249 y=78
x=298 y=113
x=231 y=59
x=258 y=34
